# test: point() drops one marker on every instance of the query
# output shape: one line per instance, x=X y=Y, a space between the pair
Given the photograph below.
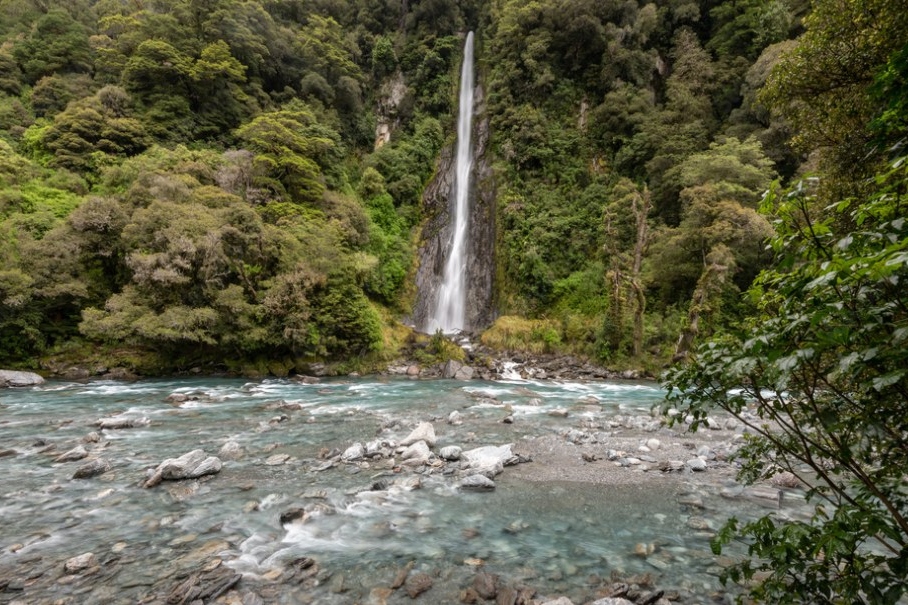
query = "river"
x=363 y=521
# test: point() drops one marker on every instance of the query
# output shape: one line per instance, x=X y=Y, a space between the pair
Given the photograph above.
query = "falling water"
x=450 y=307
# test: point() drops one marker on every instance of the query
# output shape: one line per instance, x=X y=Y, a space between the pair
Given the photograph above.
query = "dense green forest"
x=238 y=182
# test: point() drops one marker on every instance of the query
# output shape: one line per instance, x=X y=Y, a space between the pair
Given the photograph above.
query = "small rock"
x=353 y=453
x=77 y=453
x=277 y=460
x=92 y=468
x=451 y=452
x=508 y=420
x=455 y=418
x=379 y=595
x=559 y=601
x=653 y=444
x=417 y=584
x=559 y=413
x=231 y=451
x=80 y=563
x=121 y=423
x=486 y=585
x=92 y=437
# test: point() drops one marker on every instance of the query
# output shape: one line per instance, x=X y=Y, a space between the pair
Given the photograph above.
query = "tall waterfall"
x=450 y=306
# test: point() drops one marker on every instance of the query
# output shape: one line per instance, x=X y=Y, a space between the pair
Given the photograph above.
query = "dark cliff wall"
x=438 y=204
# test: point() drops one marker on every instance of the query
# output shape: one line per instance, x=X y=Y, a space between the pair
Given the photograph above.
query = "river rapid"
x=350 y=528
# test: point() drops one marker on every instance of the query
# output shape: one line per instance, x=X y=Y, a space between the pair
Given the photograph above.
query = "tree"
x=823 y=86
x=820 y=379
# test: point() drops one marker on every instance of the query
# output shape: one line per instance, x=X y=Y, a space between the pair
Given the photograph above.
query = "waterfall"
x=450 y=306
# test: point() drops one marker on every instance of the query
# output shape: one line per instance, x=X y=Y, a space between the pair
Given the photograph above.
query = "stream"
x=363 y=521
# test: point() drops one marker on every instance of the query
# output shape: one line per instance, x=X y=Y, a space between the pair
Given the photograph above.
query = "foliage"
x=510 y=333
x=819 y=378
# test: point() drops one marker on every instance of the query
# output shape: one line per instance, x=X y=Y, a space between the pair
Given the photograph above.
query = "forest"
x=236 y=184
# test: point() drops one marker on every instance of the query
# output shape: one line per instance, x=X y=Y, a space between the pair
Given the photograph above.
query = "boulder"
x=696 y=464
x=11 y=378
x=488 y=460
x=477 y=482
x=464 y=373
x=424 y=431
x=451 y=368
x=416 y=454
x=92 y=468
x=191 y=465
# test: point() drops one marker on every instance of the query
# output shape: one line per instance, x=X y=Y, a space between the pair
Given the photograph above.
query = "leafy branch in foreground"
x=820 y=379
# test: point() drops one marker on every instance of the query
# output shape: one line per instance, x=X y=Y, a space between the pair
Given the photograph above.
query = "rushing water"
x=450 y=308
x=553 y=536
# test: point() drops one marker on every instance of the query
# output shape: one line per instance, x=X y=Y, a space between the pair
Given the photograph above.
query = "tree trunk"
x=717 y=265
x=641 y=205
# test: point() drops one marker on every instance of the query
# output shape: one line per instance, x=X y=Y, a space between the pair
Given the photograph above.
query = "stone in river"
x=11 y=378
x=477 y=482
x=80 y=563
x=559 y=413
x=277 y=460
x=451 y=452
x=696 y=465
x=231 y=451
x=486 y=585
x=464 y=373
x=416 y=454
x=121 y=423
x=353 y=453
x=92 y=468
x=190 y=465
x=379 y=596
x=455 y=418
x=488 y=460
x=77 y=453
x=560 y=601
x=423 y=432
x=417 y=584
x=612 y=601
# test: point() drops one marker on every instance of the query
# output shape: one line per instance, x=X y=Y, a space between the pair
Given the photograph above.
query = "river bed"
x=567 y=523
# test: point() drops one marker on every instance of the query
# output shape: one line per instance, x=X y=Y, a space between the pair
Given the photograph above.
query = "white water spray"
x=450 y=306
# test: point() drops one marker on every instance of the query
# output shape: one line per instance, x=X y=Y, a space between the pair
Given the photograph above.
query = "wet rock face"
x=438 y=203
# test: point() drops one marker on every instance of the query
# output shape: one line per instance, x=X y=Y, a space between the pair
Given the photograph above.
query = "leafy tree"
x=819 y=379
x=56 y=44
x=823 y=87
x=89 y=130
x=291 y=150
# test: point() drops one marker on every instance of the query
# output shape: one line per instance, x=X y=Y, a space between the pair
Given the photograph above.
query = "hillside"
x=238 y=184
